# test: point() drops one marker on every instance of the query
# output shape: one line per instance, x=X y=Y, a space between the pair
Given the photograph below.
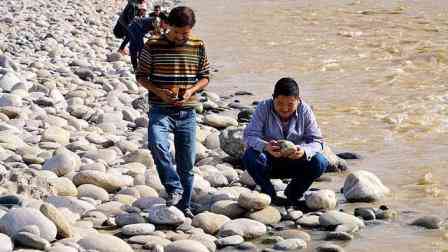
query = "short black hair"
x=286 y=86
x=182 y=16
x=157 y=7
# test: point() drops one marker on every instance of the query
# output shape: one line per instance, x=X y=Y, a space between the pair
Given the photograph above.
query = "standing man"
x=137 y=31
x=284 y=117
x=173 y=68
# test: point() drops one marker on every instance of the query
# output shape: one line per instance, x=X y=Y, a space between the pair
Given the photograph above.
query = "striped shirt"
x=173 y=67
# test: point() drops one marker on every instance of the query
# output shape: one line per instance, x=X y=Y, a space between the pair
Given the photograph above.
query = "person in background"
x=137 y=31
x=173 y=67
x=284 y=117
x=157 y=12
x=134 y=8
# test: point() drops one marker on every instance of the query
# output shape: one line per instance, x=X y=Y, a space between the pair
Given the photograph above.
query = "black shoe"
x=299 y=205
x=188 y=213
x=279 y=201
x=173 y=199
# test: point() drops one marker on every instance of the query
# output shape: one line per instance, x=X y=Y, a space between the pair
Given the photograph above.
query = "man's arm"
x=144 y=71
x=253 y=133
x=312 y=135
x=203 y=77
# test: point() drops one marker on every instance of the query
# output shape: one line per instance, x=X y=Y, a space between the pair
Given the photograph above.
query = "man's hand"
x=273 y=148
x=187 y=94
x=125 y=51
x=166 y=95
x=298 y=154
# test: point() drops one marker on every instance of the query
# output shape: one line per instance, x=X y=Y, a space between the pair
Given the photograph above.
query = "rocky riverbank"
x=76 y=175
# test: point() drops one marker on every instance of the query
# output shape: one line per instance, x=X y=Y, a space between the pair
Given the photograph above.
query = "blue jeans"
x=176 y=174
x=262 y=167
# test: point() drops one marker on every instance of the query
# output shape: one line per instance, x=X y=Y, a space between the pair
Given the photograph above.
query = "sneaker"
x=173 y=199
x=188 y=213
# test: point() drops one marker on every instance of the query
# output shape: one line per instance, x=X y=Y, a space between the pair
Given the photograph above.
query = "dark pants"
x=263 y=167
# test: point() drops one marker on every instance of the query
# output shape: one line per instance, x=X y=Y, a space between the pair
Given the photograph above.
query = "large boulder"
x=247 y=228
x=104 y=243
x=364 y=186
x=17 y=218
x=231 y=141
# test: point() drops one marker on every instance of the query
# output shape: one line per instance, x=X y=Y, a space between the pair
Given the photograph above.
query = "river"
x=375 y=73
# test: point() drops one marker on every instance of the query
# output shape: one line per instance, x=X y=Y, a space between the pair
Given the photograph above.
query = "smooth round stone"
x=295 y=214
x=93 y=191
x=247 y=228
x=290 y=244
x=140 y=156
x=321 y=199
x=294 y=233
x=340 y=236
x=146 y=191
x=129 y=218
x=247 y=180
x=334 y=218
x=52 y=213
x=17 y=218
x=109 y=182
x=148 y=202
x=230 y=241
x=149 y=240
x=75 y=205
x=268 y=215
x=209 y=241
x=163 y=215
x=64 y=186
x=62 y=248
x=228 y=208
x=6 y=244
x=209 y=222
x=138 y=229
x=366 y=213
x=272 y=239
x=111 y=208
x=219 y=121
x=429 y=222
x=364 y=186
x=186 y=246
x=310 y=221
x=329 y=248
x=56 y=134
x=97 y=218
x=104 y=243
x=125 y=199
x=254 y=200
x=30 y=240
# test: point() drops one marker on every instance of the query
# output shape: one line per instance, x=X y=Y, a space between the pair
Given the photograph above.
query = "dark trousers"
x=263 y=167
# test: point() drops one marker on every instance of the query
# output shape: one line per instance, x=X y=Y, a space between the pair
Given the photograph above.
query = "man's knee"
x=254 y=161
x=319 y=164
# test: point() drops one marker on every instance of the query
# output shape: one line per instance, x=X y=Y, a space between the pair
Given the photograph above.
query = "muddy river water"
x=375 y=73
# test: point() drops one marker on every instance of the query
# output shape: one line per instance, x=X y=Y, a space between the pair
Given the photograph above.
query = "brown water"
x=375 y=73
